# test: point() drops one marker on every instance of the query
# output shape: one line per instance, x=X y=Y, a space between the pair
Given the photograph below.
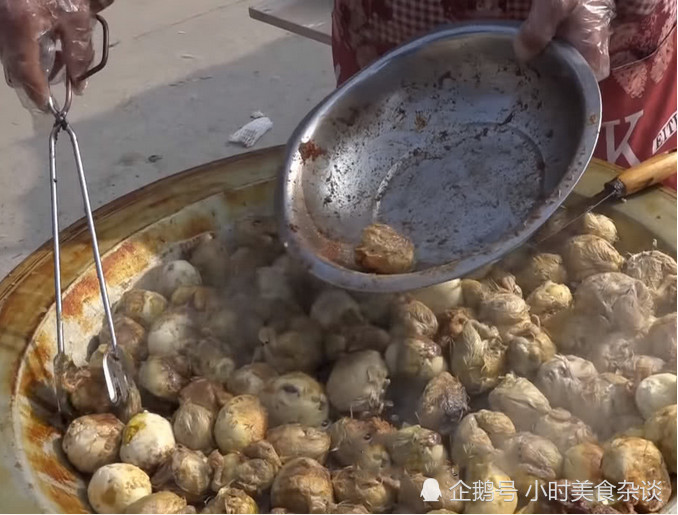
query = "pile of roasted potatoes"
x=261 y=389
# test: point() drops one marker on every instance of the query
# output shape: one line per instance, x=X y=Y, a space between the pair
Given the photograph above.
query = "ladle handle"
x=648 y=173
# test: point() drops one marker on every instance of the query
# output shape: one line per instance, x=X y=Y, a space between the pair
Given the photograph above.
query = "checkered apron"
x=639 y=97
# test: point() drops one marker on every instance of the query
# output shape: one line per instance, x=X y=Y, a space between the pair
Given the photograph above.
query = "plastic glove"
x=583 y=23
x=29 y=33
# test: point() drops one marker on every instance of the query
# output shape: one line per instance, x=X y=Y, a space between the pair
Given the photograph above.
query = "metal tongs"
x=115 y=377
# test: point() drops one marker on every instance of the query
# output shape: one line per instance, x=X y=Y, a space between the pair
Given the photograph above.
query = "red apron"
x=639 y=96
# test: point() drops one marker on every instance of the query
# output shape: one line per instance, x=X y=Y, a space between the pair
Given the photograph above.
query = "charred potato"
x=624 y=301
x=115 y=486
x=142 y=306
x=295 y=398
x=296 y=441
x=164 y=376
x=548 y=299
x=473 y=292
x=211 y=359
x=443 y=404
x=541 y=268
x=641 y=366
x=650 y=267
x=562 y=379
x=531 y=459
x=206 y=393
x=661 y=340
x=416 y=449
x=563 y=429
x=665 y=298
x=606 y=403
x=478 y=357
x=355 y=338
x=177 y=273
x=415 y=358
x=588 y=255
x=488 y=469
x=170 y=332
x=241 y=422
x=358 y=382
x=612 y=353
x=346 y=507
x=660 y=429
x=575 y=332
x=303 y=486
x=504 y=310
x=638 y=462
x=250 y=379
x=231 y=500
x=252 y=471
x=298 y=349
x=194 y=421
x=159 y=502
x=440 y=297
x=583 y=462
x=129 y=335
x=210 y=258
x=87 y=393
x=528 y=349
x=520 y=400
x=499 y=280
x=192 y=425
x=413 y=318
x=598 y=225
x=361 y=442
x=382 y=250
x=655 y=392
x=92 y=441
x=470 y=442
x=452 y=323
x=147 y=441
x=497 y=425
x=358 y=486
x=186 y=473
x=202 y=299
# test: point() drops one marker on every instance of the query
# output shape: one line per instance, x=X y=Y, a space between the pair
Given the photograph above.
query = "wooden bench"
x=308 y=18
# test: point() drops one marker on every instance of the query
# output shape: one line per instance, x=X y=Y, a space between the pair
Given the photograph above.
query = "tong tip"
x=117 y=383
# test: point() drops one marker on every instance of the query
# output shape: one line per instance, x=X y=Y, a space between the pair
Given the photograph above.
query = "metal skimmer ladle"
x=115 y=377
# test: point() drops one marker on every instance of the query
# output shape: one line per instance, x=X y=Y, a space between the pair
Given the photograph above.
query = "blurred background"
x=181 y=78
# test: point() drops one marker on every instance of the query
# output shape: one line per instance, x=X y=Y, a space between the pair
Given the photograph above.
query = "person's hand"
x=25 y=25
x=583 y=23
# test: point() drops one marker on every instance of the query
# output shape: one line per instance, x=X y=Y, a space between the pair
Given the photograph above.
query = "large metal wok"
x=135 y=232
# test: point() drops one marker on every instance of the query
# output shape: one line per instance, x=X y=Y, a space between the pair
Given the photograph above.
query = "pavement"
x=182 y=76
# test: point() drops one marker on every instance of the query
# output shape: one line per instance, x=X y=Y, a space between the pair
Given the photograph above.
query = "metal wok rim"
x=337 y=275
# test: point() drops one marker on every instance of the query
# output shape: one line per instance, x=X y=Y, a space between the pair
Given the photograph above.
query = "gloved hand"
x=29 y=29
x=583 y=23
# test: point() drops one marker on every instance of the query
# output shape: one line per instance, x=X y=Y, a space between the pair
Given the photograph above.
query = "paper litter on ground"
x=251 y=132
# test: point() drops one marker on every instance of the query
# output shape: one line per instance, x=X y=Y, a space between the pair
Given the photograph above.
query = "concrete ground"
x=182 y=76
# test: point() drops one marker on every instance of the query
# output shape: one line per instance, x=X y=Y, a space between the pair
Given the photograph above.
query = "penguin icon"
x=430 y=490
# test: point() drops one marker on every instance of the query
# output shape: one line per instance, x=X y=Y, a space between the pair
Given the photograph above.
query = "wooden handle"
x=648 y=173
